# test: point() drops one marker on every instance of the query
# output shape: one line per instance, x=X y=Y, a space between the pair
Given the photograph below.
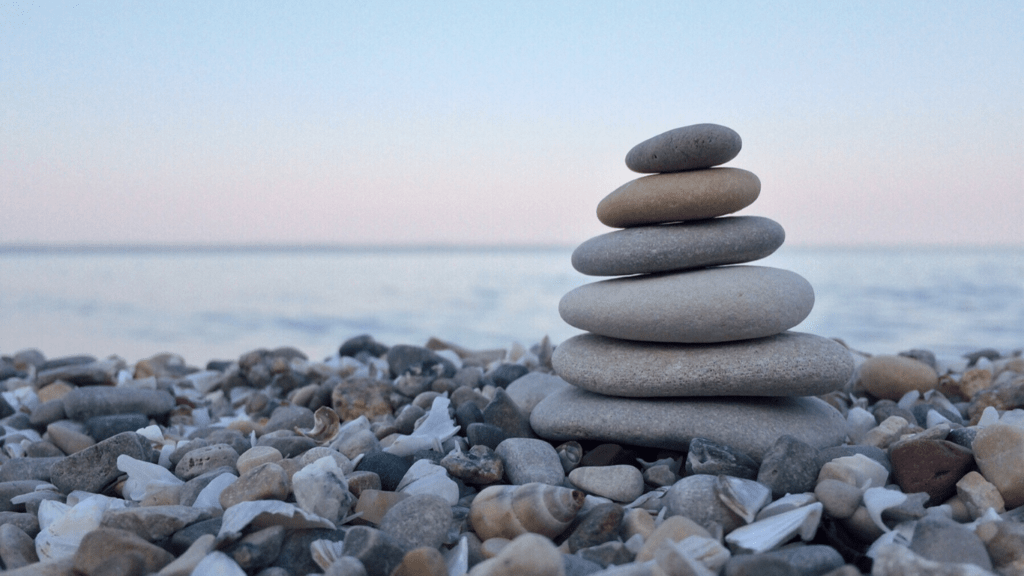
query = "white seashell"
x=934 y=419
x=145 y=478
x=321 y=488
x=879 y=499
x=151 y=433
x=264 y=513
x=220 y=564
x=457 y=559
x=652 y=500
x=787 y=503
x=769 y=533
x=909 y=399
x=209 y=497
x=325 y=427
x=65 y=526
x=435 y=429
x=425 y=477
x=744 y=497
x=326 y=552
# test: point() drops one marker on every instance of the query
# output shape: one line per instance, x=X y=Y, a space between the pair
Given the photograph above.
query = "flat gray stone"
x=696 y=306
x=683 y=246
x=787 y=364
x=679 y=196
x=686 y=148
x=92 y=469
x=89 y=401
x=748 y=424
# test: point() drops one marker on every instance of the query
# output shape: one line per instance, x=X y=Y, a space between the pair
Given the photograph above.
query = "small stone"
x=707 y=457
x=102 y=545
x=660 y=475
x=999 y=452
x=1005 y=544
x=320 y=488
x=528 y=460
x=485 y=435
x=288 y=444
x=420 y=520
x=620 y=483
x=679 y=196
x=696 y=498
x=480 y=465
x=258 y=549
x=185 y=538
x=372 y=505
x=403 y=358
x=357 y=397
x=608 y=455
x=69 y=436
x=527 y=554
x=89 y=401
x=840 y=499
x=378 y=552
x=288 y=418
x=255 y=456
x=295 y=555
x=362 y=480
x=893 y=376
x=28 y=468
x=599 y=525
x=932 y=466
x=504 y=413
x=789 y=467
x=202 y=460
x=389 y=467
x=943 y=540
x=979 y=495
x=265 y=482
x=422 y=562
x=612 y=553
x=92 y=469
x=702 y=306
x=673 y=529
x=889 y=431
x=857 y=471
x=687 y=148
x=17 y=548
x=153 y=523
x=364 y=343
x=637 y=521
x=102 y=427
x=504 y=374
x=527 y=391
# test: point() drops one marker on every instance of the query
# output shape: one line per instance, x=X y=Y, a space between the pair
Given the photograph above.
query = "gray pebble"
x=504 y=413
x=943 y=540
x=201 y=460
x=87 y=402
x=92 y=469
x=420 y=520
x=17 y=548
x=789 y=467
x=696 y=498
x=530 y=460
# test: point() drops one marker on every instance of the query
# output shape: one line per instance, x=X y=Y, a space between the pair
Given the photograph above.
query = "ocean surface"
x=219 y=303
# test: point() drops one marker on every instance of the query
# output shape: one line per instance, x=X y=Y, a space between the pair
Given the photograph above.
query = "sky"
x=485 y=123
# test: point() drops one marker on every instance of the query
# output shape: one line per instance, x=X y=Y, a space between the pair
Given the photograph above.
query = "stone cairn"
x=686 y=343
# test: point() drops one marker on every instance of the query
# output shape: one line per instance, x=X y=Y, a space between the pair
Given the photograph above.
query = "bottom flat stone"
x=749 y=424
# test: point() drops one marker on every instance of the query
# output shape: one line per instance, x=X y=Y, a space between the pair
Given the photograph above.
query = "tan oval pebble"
x=890 y=377
x=257 y=455
x=205 y=459
x=679 y=196
x=621 y=483
x=265 y=482
x=999 y=452
x=685 y=148
x=528 y=554
x=507 y=511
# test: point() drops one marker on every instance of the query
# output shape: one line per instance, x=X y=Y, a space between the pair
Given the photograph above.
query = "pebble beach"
x=408 y=459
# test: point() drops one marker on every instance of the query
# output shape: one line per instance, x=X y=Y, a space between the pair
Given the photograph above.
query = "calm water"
x=219 y=304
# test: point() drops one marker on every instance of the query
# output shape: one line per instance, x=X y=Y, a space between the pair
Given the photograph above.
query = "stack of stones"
x=686 y=343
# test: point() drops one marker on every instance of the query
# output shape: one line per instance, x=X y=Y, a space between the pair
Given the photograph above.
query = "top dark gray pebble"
x=687 y=148
x=670 y=247
x=89 y=401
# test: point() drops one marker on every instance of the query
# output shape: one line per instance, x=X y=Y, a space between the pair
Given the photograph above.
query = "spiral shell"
x=509 y=511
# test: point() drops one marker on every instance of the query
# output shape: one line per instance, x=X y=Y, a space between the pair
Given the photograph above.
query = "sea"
x=208 y=303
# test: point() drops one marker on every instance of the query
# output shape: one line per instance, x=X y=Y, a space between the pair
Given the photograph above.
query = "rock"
x=103 y=545
x=677 y=197
x=90 y=401
x=527 y=555
x=696 y=498
x=840 y=499
x=530 y=389
x=357 y=397
x=812 y=560
x=789 y=467
x=264 y=482
x=529 y=460
x=786 y=364
x=102 y=427
x=943 y=540
x=608 y=455
x=13 y=488
x=620 y=483
x=979 y=495
x=420 y=520
x=255 y=456
x=999 y=452
x=403 y=358
x=92 y=469
x=16 y=547
x=897 y=560
x=857 y=470
x=202 y=460
x=480 y=465
x=673 y=529
x=607 y=554
x=504 y=413
x=288 y=418
x=28 y=468
x=390 y=468
x=78 y=371
x=893 y=376
x=599 y=525
x=364 y=343
x=320 y=488
x=153 y=523
x=1005 y=544
x=485 y=435
x=373 y=504
x=422 y=562
x=932 y=466
x=504 y=374
x=378 y=552
x=687 y=148
x=707 y=457
x=674 y=247
x=697 y=306
x=750 y=425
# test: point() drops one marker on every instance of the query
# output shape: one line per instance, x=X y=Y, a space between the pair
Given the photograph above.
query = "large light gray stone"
x=696 y=306
x=748 y=424
x=679 y=196
x=787 y=364
x=686 y=148
x=665 y=248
